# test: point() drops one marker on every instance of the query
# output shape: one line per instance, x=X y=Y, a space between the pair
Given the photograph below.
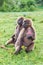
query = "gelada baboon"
x=15 y=35
x=26 y=37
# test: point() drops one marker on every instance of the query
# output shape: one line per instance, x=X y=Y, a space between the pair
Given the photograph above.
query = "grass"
x=7 y=28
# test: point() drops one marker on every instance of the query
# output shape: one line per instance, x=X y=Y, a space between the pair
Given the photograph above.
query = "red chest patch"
x=29 y=31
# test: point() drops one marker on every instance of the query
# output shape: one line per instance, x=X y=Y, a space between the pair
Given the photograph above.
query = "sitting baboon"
x=15 y=35
x=26 y=37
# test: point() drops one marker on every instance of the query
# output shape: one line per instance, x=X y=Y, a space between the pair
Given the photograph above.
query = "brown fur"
x=22 y=38
x=15 y=35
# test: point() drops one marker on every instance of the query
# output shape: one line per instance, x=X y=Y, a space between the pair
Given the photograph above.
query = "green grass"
x=7 y=28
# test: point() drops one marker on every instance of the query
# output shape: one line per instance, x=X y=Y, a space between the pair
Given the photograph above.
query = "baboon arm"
x=33 y=33
x=17 y=44
x=16 y=32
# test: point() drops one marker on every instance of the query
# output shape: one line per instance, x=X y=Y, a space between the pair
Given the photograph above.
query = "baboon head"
x=20 y=21
x=27 y=23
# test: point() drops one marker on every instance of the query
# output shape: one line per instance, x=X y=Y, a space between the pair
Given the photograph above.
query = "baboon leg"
x=18 y=48
x=30 y=47
x=18 y=42
x=10 y=41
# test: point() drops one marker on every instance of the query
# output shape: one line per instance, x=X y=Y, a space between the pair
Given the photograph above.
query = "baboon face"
x=20 y=21
x=26 y=23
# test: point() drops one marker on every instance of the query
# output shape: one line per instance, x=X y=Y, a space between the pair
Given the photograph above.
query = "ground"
x=7 y=28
